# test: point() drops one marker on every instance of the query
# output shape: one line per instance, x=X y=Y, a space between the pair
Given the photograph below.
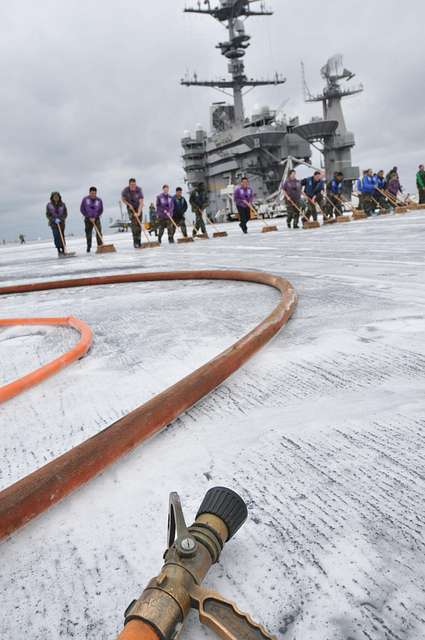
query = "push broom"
x=267 y=228
x=306 y=222
x=382 y=210
x=201 y=236
x=161 y=610
x=65 y=253
x=102 y=248
x=148 y=244
x=217 y=233
x=184 y=239
x=329 y=219
x=315 y=224
x=398 y=207
x=358 y=214
x=341 y=217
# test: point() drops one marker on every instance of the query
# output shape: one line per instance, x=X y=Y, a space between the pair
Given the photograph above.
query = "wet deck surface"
x=322 y=433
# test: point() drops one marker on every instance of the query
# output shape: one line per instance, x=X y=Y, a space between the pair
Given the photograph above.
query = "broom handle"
x=388 y=196
x=391 y=197
x=301 y=213
x=333 y=205
x=345 y=202
x=315 y=203
x=253 y=209
x=61 y=235
x=400 y=203
x=97 y=231
x=141 y=226
x=172 y=221
x=211 y=222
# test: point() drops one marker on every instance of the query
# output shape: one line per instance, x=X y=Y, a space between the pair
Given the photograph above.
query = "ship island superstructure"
x=259 y=145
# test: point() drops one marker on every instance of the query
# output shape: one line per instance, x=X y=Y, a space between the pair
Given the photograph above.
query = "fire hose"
x=37 y=492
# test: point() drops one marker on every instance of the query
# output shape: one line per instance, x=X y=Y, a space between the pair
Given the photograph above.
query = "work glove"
x=57 y=220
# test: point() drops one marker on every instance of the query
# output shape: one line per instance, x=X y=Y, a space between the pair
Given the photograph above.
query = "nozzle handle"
x=226 y=505
x=225 y=619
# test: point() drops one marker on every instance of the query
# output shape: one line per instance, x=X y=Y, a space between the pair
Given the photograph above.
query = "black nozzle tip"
x=226 y=505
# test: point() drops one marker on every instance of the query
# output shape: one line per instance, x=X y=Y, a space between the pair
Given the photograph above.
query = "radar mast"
x=231 y=13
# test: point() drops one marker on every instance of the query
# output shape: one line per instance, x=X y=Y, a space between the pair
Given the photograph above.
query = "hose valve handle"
x=178 y=533
x=162 y=608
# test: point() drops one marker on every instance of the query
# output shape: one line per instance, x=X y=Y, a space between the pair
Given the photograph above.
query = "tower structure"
x=238 y=145
x=231 y=14
x=337 y=146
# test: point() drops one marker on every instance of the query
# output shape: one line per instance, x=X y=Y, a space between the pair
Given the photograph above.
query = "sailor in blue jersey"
x=359 y=190
x=380 y=186
x=333 y=194
x=368 y=189
x=313 y=189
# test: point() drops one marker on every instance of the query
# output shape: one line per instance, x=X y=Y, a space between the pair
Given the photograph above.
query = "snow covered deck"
x=323 y=433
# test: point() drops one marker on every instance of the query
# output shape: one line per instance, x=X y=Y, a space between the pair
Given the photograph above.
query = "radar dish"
x=333 y=69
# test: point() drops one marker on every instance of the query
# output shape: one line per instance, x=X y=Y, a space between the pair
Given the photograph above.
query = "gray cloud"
x=91 y=95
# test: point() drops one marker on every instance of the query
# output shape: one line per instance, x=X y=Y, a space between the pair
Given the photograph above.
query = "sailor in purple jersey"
x=92 y=209
x=244 y=197
x=394 y=186
x=132 y=197
x=56 y=214
x=164 y=214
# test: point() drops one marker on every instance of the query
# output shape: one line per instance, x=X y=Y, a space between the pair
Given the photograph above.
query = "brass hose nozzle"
x=162 y=608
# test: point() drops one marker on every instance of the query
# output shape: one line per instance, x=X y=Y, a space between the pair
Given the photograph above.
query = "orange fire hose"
x=38 y=491
x=138 y=630
x=12 y=389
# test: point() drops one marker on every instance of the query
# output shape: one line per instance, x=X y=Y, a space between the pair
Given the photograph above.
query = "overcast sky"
x=90 y=91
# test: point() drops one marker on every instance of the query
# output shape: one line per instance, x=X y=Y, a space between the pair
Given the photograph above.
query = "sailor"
x=152 y=219
x=420 y=183
x=92 y=209
x=56 y=214
x=394 y=187
x=359 y=190
x=132 y=197
x=199 y=201
x=390 y=174
x=368 y=189
x=179 y=209
x=380 y=186
x=292 y=191
x=333 y=194
x=313 y=189
x=244 y=197
x=164 y=212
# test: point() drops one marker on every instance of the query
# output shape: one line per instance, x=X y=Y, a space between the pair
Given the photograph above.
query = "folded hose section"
x=12 y=389
x=41 y=489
